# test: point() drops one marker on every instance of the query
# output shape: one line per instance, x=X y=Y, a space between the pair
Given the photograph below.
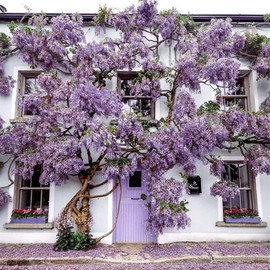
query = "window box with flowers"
x=29 y=216
x=235 y=215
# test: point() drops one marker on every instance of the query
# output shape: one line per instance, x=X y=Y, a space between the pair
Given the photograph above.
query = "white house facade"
x=205 y=211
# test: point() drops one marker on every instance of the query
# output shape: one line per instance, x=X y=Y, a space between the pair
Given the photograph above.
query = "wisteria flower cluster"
x=258 y=156
x=165 y=207
x=217 y=168
x=4 y=198
x=225 y=190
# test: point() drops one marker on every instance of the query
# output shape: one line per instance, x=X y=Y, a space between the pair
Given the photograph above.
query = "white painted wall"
x=204 y=210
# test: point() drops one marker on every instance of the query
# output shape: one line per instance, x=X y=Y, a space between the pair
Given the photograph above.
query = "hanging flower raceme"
x=129 y=129
x=188 y=72
x=217 y=168
x=258 y=157
x=166 y=149
x=119 y=168
x=165 y=207
x=225 y=189
x=146 y=12
x=201 y=137
x=96 y=101
x=185 y=108
x=147 y=87
x=4 y=198
x=221 y=70
x=212 y=37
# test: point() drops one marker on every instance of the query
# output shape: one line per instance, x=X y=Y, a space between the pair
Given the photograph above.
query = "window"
x=238 y=95
x=240 y=174
x=139 y=104
x=27 y=81
x=31 y=194
x=135 y=180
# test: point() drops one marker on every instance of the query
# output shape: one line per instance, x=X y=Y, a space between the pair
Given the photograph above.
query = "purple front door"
x=131 y=224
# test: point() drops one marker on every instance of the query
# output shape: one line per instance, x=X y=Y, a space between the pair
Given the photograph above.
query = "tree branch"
x=116 y=217
x=100 y=195
x=98 y=185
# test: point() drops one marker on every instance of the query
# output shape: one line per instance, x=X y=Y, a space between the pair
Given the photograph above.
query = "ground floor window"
x=240 y=174
x=31 y=194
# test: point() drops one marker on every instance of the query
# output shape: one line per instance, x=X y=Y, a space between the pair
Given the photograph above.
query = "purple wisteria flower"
x=4 y=198
x=225 y=190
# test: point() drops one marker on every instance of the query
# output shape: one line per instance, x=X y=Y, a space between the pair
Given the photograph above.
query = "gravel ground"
x=193 y=252
x=185 y=266
x=153 y=251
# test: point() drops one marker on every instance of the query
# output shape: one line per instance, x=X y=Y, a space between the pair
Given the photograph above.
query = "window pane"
x=135 y=105
x=126 y=85
x=243 y=174
x=241 y=103
x=25 y=183
x=135 y=180
x=245 y=199
x=30 y=84
x=142 y=106
x=227 y=204
x=36 y=175
x=36 y=199
x=240 y=86
x=25 y=198
x=235 y=203
x=234 y=173
x=45 y=199
x=238 y=89
x=228 y=102
x=146 y=107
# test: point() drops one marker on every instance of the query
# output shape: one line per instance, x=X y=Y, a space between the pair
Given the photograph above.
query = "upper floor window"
x=240 y=174
x=237 y=95
x=140 y=104
x=27 y=82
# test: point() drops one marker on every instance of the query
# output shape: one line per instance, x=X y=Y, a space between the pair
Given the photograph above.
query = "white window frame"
x=132 y=74
x=246 y=75
x=22 y=77
x=256 y=192
x=20 y=72
x=20 y=189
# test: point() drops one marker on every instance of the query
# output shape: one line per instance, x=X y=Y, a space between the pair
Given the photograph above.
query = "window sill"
x=17 y=120
x=225 y=224
x=48 y=225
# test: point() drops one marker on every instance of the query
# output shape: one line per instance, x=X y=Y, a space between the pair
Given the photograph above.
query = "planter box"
x=243 y=220
x=29 y=220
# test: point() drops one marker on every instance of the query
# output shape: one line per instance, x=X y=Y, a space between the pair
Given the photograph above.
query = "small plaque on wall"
x=194 y=184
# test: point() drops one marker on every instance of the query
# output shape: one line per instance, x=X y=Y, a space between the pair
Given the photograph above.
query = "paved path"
x=139 y=256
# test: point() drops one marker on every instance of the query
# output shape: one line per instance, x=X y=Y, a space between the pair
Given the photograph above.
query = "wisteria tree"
x=79 y=126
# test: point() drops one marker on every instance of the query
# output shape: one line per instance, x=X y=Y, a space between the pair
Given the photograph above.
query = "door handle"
x=135 y=198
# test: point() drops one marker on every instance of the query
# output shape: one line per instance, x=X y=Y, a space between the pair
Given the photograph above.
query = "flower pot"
x=29 y=220
x=243 y=220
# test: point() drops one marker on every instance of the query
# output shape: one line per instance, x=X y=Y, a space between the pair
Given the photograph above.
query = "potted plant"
x=29 y=216
x=235 y=215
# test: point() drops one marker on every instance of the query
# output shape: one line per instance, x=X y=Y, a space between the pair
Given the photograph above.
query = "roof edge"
x=88 y=17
